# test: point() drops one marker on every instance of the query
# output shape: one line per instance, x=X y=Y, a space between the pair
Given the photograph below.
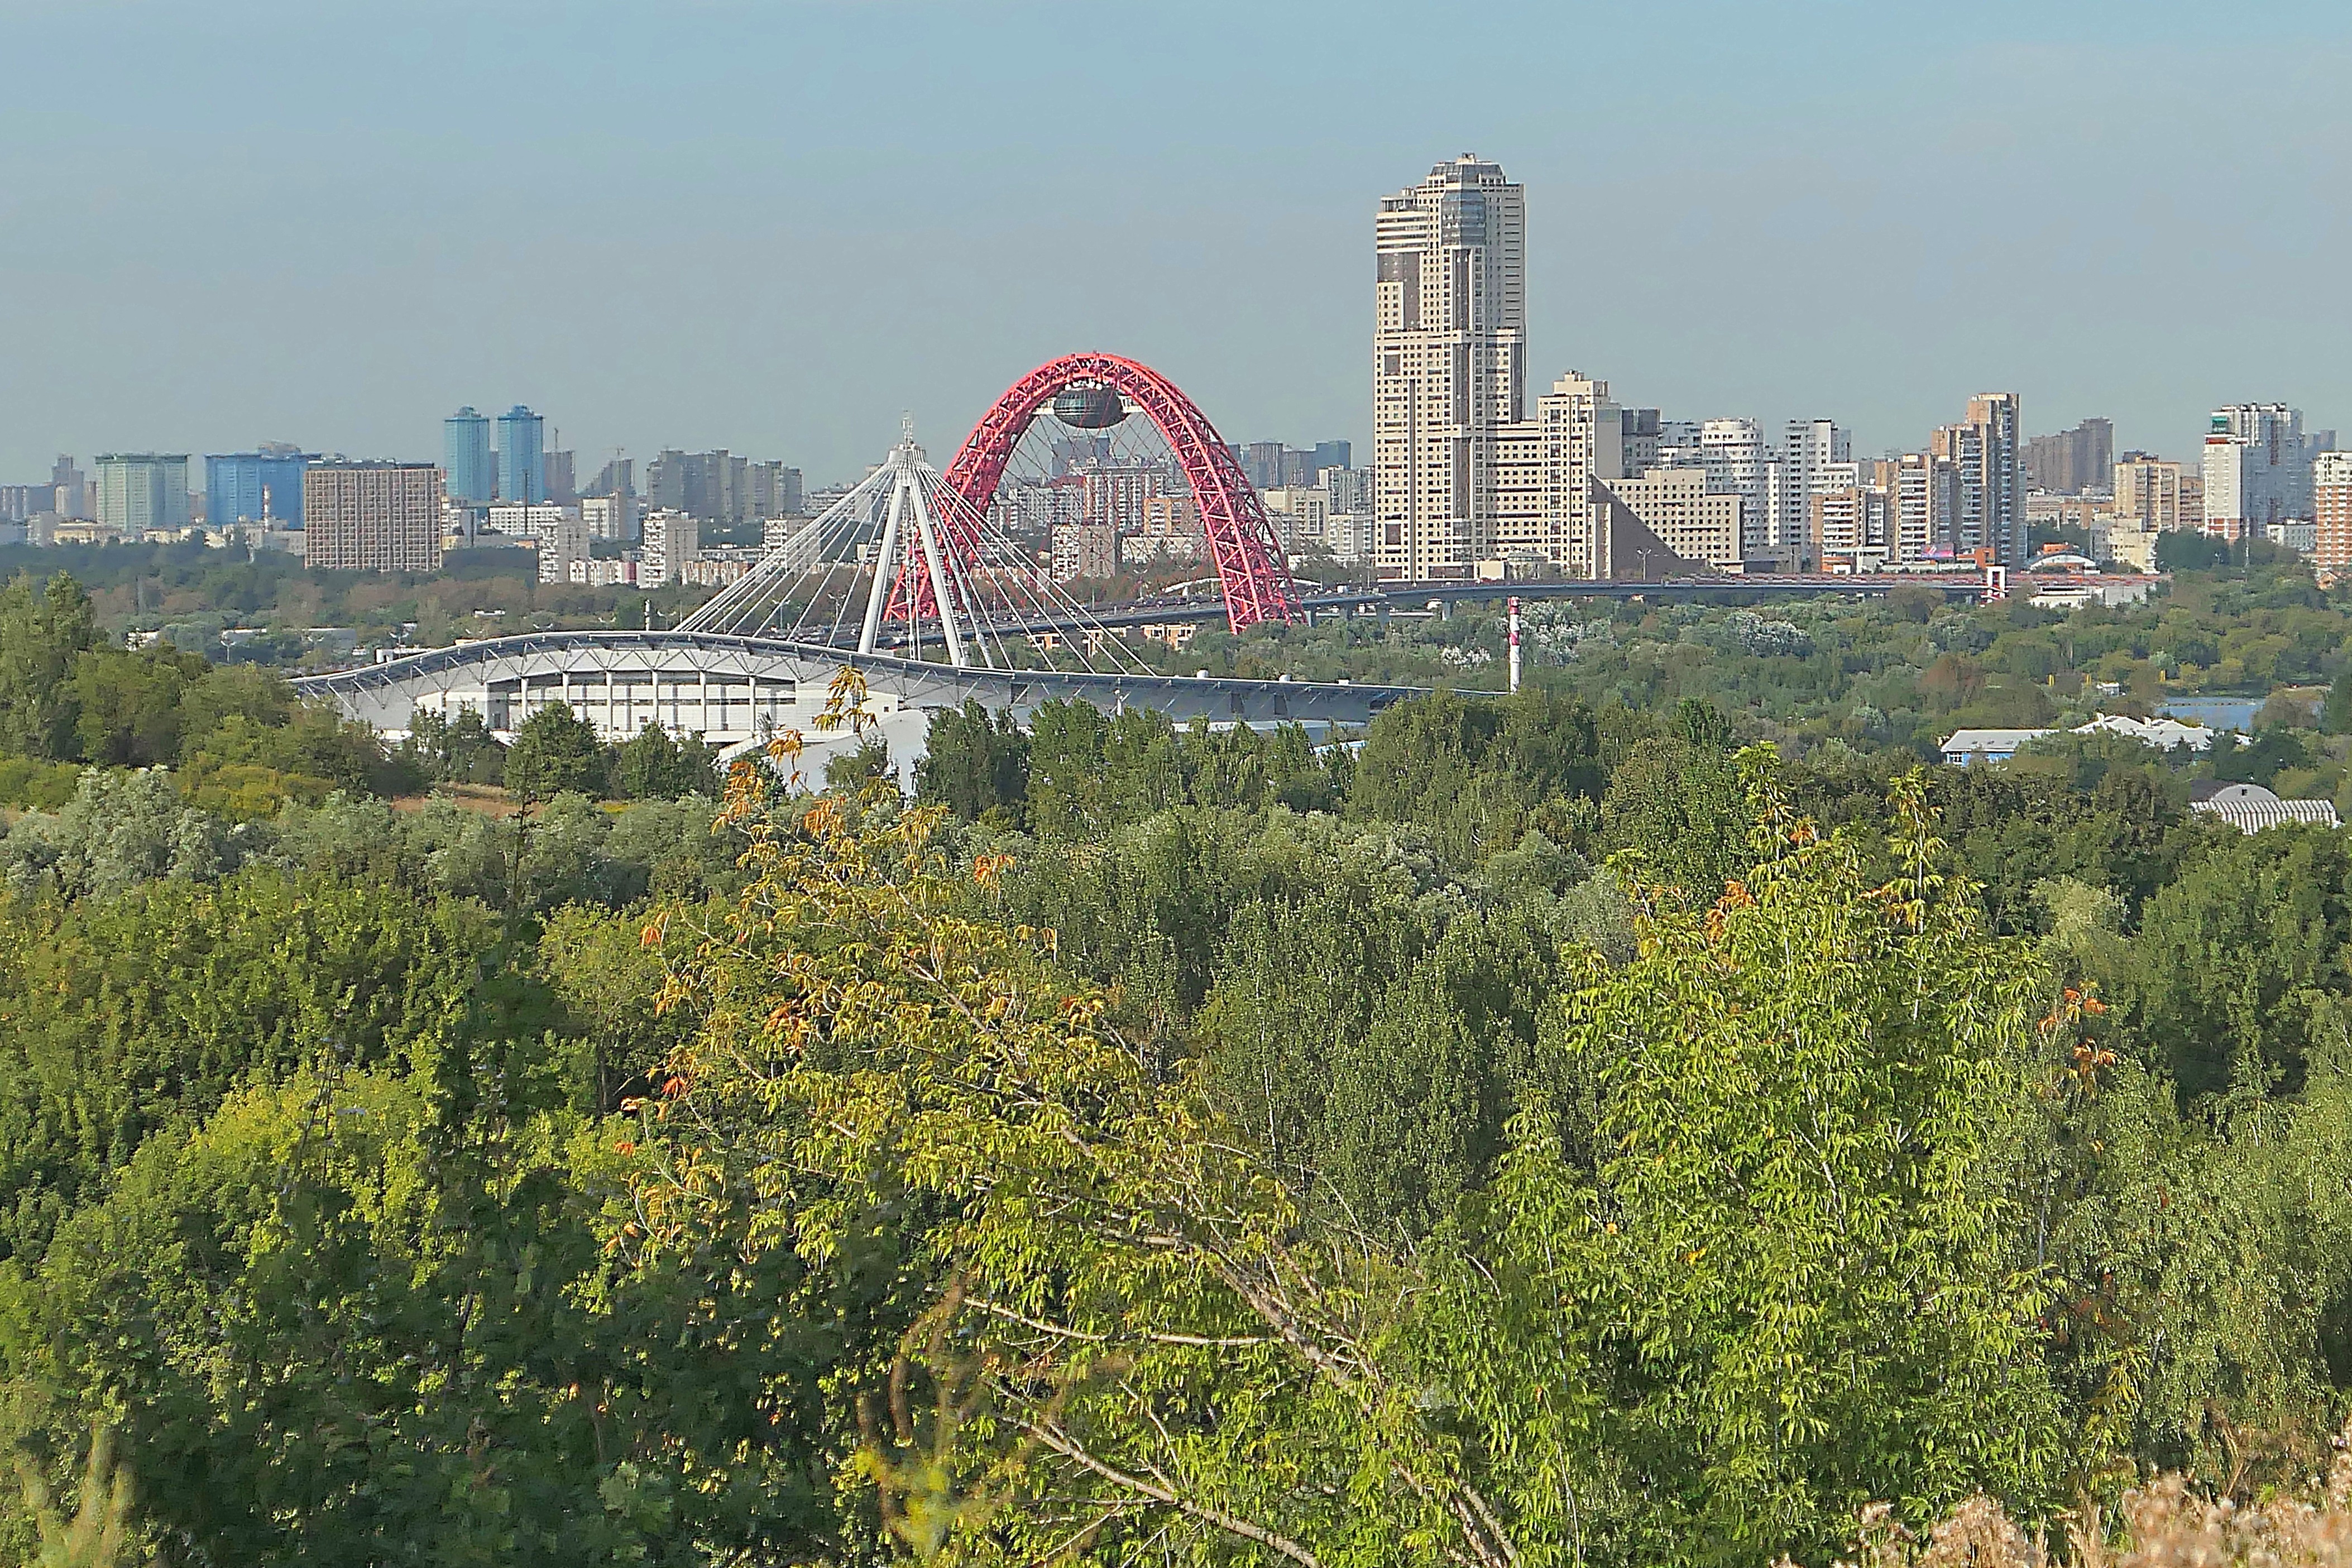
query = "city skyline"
x=1779 y=234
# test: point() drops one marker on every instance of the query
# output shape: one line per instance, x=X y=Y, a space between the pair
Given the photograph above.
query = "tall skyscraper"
x=1449 y=363
x=255 y=486
x=2073 y=460
x=466 y=459
x=523 y=457
x=2257 y=470
x=1982 y=450
x=143 y=490
x=372 y=517
x=1334 y=454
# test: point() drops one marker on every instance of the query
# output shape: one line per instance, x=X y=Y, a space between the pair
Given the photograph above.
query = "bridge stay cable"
x=904 y=558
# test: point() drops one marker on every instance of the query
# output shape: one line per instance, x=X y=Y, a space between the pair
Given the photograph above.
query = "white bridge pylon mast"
x=922 y=548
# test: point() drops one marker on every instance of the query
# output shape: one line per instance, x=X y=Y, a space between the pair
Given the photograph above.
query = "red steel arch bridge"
x=910 y=555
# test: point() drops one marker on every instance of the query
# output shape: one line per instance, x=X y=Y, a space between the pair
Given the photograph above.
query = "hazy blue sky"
x=773 y=227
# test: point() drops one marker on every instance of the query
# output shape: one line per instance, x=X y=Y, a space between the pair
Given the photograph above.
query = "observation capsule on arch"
x=1089 y=405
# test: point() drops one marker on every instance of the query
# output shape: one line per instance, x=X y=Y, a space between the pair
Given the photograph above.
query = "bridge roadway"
x=735 y=690
x=1415 y=595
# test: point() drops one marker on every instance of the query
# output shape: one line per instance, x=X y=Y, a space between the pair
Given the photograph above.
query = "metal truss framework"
x=1256 y=583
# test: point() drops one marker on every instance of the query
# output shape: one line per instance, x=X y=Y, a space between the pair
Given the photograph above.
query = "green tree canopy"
x=555 y=752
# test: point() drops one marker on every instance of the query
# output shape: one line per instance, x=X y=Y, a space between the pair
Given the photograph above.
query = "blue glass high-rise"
x=523 y=455
x=248 y=486
x=470 y=474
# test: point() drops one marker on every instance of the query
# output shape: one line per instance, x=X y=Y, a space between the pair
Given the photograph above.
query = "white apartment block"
x=1084 y=550
x=1816 y=457
x=613 y=573
x=1448 y=363
x=562 y=538
x=1351 y=536
x=1350 y=489
x=518 y=521
x=1736 y=462
x=1543 y=470
x=611 y=518
x=1297 y=516
x=673 y=540
x=2257 y=470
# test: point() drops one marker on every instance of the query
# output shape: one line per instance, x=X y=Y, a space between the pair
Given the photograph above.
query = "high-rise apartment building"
x=1990 y=514
x=561 y=536
x=563 y=483
x=1811 y=451
x=1584 y=439
x=673 y=541
x=713 y=485
x=19 y=503
x=1736 y=462
x=372 y=517
x=613 y=517
x=1925 y=500
x=2331 y=506
x=255 y=486
x=617 y=478
x=2073 y=461
x=1298 y=514
x=775 y=490
x=2257 y=470
x=1350 y=489
x=1449 y=362
x=142 y=490
x=467 y=464
x=523 y=457
x=72 y=488
x=1334 y=454
x=2146 y=493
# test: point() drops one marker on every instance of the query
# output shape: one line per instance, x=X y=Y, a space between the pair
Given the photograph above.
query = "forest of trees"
x=1621 y=1122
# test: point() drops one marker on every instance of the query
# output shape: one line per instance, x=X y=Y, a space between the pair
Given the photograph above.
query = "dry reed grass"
x=2165 y=1524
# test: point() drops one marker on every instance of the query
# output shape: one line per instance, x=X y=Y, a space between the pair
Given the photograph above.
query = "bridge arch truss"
x=1255 y=581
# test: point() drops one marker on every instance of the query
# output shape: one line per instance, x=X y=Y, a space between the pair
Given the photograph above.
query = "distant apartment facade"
x=1988 y=501
x=137 y=491
x=2257 y=471
x=2331 y=506
x=264 y=486
x=372 y=517
x=470 y=465
x=2072 y=461
x=672 y=542
x=1449 y=363
x=523 y=457
x=1699 y=525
